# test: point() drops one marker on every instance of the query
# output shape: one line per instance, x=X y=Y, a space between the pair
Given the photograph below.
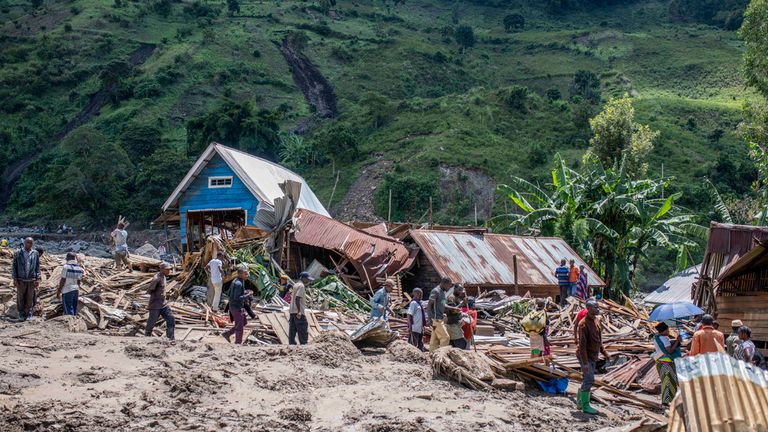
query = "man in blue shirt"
x=562 y=273
x=380 y=300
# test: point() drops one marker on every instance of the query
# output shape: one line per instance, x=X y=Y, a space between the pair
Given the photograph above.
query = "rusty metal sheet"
x=371 y=254
x=720 y=393
x=487 y=259
x=733 y=240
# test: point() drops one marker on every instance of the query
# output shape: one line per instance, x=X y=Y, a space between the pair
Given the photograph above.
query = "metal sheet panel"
x=488 y=259
x=720 y=393
x=372 y=254
x=677 y=288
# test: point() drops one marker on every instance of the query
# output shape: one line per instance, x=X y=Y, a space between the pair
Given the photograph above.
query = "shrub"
x=553 y=94
x=410 y=195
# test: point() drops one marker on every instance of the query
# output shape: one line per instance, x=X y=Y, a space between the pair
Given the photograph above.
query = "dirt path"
x=317 y=90
x=59 y=380
x=91 y=109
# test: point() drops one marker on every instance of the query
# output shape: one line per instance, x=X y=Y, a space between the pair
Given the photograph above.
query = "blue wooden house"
x=222 y=191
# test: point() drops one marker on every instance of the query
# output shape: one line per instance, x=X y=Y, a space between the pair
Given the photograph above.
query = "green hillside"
x=408 y=96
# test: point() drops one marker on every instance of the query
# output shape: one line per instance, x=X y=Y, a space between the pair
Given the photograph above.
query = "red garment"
x=580 y=316
x=469 y=329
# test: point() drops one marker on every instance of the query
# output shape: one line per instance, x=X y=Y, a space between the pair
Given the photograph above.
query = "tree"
x=514 y=22
x=753 y=33
x=337 y=142
x=239 y=125
x=140 y=140
x=609 y=218
x=618 y=137
x=295 y=152
x=553 y=94
x=163 y=168
x=90 y=176
x=233 y=6
x=163 y=7
x=516 y=98
x=379 y=108
x=585 y=85
x=754 y=130
x=465 y=37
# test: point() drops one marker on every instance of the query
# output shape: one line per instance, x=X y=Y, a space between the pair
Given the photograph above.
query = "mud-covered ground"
x=55 y=377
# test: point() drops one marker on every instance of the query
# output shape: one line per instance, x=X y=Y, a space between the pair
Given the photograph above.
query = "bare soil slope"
x=54 y=378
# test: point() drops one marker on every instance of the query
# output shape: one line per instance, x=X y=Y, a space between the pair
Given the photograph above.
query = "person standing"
x=380 y=300
x=436 y=310
x=536 y=324
x=562 y=274
x=25 y=272
x=215 y=271
x=453 y=317
x=573 y=277
x=69 y=284
x=582 y=285
x=120 y=239
x=417 y=320
x=469 y=327
x=746 y=350
x=236 y=302
x=285 y=288
x=733 y=339
x=707 y=339
x=588 y=352
x=157 y=305
x=297 y=324
x=667 y=350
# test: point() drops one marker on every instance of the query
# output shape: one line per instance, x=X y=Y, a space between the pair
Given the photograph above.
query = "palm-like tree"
x=605 y=215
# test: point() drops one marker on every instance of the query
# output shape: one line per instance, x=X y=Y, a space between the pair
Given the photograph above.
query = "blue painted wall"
x=199 y=196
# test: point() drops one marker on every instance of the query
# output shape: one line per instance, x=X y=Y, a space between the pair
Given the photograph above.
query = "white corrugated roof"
x=260 y=176
x=676 y=289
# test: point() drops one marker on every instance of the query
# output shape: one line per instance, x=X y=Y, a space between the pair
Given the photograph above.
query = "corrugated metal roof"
x=720 y=393
x=261 y=176
x=734 y=240
x=372 y=255
x=487 y=259
x=677 y=288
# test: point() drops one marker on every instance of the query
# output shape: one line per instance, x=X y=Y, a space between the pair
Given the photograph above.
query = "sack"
x=534 y=322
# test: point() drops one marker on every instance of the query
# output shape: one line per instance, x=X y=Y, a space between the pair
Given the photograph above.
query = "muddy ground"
x=55 y=377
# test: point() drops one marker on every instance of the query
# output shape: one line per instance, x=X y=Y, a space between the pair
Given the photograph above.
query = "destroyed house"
x=733 y=283
x=485 y=261
x=223 y=190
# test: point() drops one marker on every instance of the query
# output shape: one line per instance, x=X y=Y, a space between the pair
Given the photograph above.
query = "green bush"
x=410 y=196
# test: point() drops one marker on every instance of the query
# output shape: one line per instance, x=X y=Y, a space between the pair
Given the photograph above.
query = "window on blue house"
x=219 y=182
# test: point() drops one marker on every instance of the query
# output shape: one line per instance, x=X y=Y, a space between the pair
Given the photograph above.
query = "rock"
x=147 y=250
x=507 y=384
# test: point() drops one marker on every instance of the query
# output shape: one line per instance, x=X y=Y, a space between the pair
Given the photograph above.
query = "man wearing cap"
x=707 y=339
x=588 y=351
x=436 y=310
x=380 y=300
x=297 y=324
x=157 y=306
x=236 y=301
x=733 y=339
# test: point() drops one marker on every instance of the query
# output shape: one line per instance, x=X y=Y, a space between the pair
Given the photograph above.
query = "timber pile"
x=626 y=336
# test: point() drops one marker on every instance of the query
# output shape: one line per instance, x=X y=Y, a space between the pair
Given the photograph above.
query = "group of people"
x=572 y=281
x=449 y=311
x=706 y=339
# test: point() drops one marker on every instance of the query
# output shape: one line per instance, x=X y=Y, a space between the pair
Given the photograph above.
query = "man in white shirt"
x=120 y=238
x=69 y=284
x=417 y=319
x=215 y=270
x=297 y=324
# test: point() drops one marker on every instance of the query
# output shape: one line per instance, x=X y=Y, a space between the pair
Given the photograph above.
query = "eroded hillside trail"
x=91 y=109
x=317 y=90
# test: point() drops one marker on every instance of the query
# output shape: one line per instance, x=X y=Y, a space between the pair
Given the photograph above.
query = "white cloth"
x=659 y=353
x=71 y=273
x=415 y=310
x=298 y=292
x=215 y=294
x=215 y=267
x=120 y=237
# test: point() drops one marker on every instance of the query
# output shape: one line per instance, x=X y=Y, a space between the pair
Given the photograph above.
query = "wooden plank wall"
x=199 y=196
x=752 y=309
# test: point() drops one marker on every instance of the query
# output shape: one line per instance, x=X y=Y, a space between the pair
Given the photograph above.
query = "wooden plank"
x=279 y=326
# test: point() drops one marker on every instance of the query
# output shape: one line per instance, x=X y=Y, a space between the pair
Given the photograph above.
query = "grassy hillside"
x=407 y=94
